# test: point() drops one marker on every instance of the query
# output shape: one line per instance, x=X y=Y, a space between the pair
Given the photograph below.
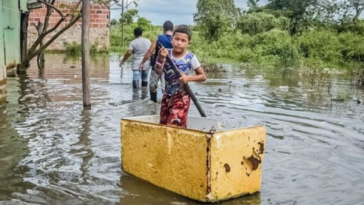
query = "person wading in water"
x=138 y=47
x=166 y=40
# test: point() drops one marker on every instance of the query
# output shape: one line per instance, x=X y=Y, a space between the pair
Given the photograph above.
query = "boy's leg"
x=164 y=109
x=153 y=85
x=178 y=108
x=136 y=78
x=145 y=75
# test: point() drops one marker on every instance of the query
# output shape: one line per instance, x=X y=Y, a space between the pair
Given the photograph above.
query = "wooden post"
x=24 y=35
x=86 y=53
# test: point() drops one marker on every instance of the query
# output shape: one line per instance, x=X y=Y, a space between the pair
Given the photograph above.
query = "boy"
x=138 y=47
x=176 y=101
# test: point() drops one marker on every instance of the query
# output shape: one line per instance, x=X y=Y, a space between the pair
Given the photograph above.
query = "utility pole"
x=86 y=53
x=123 y=6
x=122 y=23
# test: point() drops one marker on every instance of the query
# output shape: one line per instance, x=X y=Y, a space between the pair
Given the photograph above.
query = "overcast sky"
x=178 y=11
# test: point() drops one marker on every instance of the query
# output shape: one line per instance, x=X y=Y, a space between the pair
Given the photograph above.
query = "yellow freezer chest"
x=202 y=162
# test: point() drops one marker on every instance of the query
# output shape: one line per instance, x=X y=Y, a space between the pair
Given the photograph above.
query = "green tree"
x=129 y=16
x=215 y=17
x=321 y=44
x=144 y=23
x=357 y=6
x=44 y=29
x=253 y=6
x=348 y=16
x=326 y=13
x=299 y=12
x=253 y=3
x=113 y=22
x=254 y=23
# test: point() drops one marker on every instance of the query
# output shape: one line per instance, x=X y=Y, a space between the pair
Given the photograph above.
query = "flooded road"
x=54 y=152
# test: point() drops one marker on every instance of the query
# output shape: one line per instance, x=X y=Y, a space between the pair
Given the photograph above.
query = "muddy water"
x=54 y=152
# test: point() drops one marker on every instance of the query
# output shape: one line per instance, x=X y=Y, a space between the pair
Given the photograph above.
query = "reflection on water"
x=13 y=146
x=136 y=191
x=54 y=152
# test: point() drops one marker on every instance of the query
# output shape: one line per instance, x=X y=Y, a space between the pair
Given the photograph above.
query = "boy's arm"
x=161 y=59
x=148 y=54
x=159 y=66
x=200 y=73
x=199 y=77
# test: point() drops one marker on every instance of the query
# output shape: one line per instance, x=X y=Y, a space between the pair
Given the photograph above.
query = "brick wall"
x=99 y=25
x=2 y=85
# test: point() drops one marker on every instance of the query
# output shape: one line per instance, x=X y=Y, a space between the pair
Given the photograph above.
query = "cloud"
x=177 y=11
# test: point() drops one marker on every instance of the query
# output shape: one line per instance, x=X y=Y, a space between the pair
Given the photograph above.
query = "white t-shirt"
x=186 y=64
x=139 y=46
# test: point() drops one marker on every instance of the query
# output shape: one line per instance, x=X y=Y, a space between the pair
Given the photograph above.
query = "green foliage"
x=277 y=46
x=353 y=46
x=324 y=45
x=149 y=31
x=254 y=23
x=356 y=7
x=274 y=46
x=355 y=27
x=129 y=16
x=144 y=23
x=113 y=22
x=297 y=11
x=253 y=4
x=97 y=49
x=233 y=46
x=75 y=49
x=215 y=17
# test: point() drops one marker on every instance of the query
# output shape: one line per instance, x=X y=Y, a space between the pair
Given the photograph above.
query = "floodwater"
x=54 y=152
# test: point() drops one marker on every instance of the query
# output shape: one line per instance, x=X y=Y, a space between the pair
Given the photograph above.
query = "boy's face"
x=180 y=42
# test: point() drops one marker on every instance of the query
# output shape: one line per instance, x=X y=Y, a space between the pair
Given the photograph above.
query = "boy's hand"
x=141 y=67
x=163 y=52
x=184 y=79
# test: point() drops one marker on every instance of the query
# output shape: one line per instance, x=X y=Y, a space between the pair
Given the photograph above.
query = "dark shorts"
x=174 y=109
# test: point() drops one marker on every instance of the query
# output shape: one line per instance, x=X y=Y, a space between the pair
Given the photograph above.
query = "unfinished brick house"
x=99 y=25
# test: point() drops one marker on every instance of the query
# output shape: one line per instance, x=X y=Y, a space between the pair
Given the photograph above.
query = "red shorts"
x=174 y=109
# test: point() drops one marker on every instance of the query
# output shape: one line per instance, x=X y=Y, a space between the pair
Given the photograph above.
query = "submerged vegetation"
x=75 y=48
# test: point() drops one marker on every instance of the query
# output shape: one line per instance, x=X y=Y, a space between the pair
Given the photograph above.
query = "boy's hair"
x=168 y=26
x=183 y=29
x=138 y=32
